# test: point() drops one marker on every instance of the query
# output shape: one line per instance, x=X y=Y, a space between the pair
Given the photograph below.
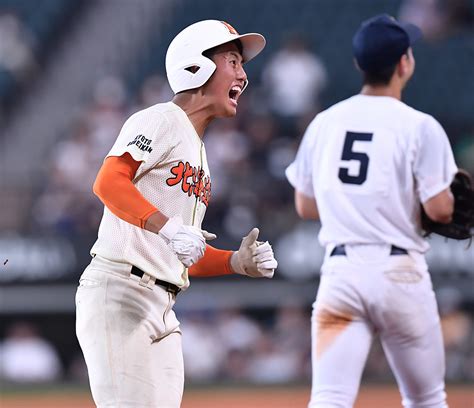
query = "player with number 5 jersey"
x=363 y=168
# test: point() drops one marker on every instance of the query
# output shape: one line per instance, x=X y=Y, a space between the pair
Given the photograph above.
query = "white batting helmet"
x=186 y=51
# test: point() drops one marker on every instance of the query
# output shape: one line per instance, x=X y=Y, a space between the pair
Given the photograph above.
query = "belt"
x=394 y=250
x=170 y=287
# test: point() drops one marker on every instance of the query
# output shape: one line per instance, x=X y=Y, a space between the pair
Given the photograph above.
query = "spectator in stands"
x=269 y=150
x=437 y=18
x=203 y=352
x=75 y=175
x=105 y=116
x=76 y=210
x=231 y=321
x=293 y=80
x=272 y=364
x=291 y=328
x=238 y=333
x=261 y=131
x=155 y=89
x=426 y=14
x=66 y=205
x=27 y=357
x=16 y=54
x=227 y=149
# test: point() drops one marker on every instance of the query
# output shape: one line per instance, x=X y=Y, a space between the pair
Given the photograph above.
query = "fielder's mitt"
x=462 y=223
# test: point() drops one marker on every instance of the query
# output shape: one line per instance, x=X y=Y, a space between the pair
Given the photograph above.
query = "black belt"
x=170 y=287
x=341 y=250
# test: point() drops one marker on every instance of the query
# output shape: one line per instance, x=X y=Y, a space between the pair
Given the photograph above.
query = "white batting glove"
x=254 y=258
x=186 y=241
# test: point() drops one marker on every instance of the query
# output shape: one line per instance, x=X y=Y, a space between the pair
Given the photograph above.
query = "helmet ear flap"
x=191 y=74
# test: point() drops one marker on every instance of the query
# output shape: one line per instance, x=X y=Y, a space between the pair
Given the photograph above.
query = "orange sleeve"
x=115 y=189
x=215 y=262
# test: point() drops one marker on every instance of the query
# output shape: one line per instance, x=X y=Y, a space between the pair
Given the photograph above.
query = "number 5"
x=349 y=154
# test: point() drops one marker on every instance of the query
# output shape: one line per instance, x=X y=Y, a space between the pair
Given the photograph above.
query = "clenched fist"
x=254 y=258
x=186 y=241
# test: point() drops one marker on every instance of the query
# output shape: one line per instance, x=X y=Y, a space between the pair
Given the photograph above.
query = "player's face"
x=226 y=84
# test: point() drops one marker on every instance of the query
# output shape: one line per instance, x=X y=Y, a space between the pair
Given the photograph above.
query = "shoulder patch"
x=142 y=143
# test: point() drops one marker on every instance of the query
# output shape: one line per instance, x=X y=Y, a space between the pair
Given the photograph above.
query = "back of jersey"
x=368 y=161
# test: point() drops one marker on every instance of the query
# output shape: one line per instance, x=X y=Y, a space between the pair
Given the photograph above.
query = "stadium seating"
x=41 y=22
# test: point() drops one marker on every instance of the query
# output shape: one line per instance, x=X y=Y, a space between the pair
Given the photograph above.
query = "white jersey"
x=173 y=176
x=369 y=161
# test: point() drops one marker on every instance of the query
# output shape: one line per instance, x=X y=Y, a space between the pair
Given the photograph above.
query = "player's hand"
x=187 y=242
x=208 y=236
x=254 y=258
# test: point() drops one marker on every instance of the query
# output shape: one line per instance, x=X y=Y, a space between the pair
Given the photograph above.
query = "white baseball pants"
x=130 y=338
x=369 y=292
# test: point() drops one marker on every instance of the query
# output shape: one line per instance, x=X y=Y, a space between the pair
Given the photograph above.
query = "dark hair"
x=210 y=52
x=379 y=77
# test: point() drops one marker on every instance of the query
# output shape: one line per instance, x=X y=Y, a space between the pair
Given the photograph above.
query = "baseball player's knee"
x=435 y=398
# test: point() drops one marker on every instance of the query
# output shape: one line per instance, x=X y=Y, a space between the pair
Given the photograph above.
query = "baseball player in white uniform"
x=363 y=168
x=156 y=186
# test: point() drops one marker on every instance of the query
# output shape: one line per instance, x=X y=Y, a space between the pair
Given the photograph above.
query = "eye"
x=232 y=59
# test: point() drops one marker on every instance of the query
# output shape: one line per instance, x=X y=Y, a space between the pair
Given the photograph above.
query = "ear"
x=402 y=66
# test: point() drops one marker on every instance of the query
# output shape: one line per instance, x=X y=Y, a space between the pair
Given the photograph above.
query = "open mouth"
x=234 y=93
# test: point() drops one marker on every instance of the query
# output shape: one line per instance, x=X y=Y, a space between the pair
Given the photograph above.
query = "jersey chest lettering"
x=193 y=181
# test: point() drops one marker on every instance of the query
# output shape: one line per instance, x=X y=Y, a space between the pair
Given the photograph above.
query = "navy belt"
x=170 y=287
x=341 y=250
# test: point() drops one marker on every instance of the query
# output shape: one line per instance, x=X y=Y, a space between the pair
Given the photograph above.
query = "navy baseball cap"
x=381 y=40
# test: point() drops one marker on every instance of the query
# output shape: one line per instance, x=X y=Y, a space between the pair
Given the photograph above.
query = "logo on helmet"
x=231 y=29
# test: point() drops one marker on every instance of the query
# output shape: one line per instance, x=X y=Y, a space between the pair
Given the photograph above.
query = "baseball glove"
x=462 y=223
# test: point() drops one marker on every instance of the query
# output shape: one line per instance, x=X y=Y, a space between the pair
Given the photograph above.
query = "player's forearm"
x=155 y=222
x=306 y=207
x=440 y=207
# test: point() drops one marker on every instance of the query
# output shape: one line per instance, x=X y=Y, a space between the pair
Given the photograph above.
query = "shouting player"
x=155 y=185
x=363 y=168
